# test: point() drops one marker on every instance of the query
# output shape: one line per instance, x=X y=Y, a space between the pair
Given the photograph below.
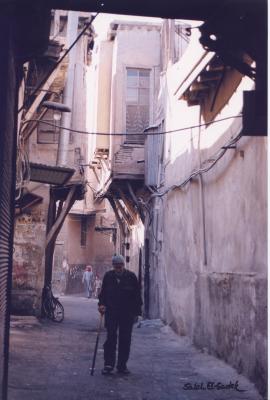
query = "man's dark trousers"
x=123 y=321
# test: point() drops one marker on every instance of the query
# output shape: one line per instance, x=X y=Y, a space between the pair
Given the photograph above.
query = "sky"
x=102 y=22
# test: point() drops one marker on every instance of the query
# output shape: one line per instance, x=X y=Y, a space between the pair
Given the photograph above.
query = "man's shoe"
x=123 y=371
x=107 y=370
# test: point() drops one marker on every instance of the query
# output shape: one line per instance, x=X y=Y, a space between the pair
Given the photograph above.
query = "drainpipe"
x=72 y=30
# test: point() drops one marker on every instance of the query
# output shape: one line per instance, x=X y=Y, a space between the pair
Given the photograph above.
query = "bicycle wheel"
x=47 y=308
x=58 y=311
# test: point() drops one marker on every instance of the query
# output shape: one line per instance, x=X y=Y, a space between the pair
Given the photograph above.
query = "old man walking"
x=120 y=301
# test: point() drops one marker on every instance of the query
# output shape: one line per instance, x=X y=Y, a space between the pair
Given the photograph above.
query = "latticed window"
x=137 y=104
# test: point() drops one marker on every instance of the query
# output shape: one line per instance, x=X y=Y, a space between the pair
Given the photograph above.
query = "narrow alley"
x=133 y=170
x=51 y=361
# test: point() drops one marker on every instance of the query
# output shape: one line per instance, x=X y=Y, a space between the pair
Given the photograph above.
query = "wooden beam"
x=130 y=208
x=60 y=220
x=49 y=249
x=128 y=219
x=118 y=218
x=95 y=173
x=136 y=201
x=198 y=86
x=207 y=76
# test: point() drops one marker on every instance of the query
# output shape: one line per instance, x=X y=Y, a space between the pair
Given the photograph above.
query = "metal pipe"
x=72 y=29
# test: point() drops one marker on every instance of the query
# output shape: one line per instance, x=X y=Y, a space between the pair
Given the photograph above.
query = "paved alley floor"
x=52 y=361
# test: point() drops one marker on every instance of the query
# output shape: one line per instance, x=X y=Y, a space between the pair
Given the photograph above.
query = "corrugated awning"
x=52 y=175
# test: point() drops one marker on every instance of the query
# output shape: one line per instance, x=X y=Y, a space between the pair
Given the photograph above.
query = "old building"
x=184 y=181
x=52 y=174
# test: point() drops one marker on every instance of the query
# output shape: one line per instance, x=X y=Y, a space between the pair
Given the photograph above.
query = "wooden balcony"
x=128 y=162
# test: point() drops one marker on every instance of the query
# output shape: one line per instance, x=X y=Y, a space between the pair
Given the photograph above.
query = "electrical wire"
x=22 y=169
x=127 y=134
x=93 y=17
x=200 y=171
x=158 y=195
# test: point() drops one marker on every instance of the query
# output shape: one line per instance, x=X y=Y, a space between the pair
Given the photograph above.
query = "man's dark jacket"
x=121 y=294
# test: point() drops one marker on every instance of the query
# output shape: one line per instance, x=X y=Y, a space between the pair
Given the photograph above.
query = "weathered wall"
x=28 y=258
x=209 y=262
x=221 y=305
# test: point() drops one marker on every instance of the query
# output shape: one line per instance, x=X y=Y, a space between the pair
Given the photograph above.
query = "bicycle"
x=51 y=306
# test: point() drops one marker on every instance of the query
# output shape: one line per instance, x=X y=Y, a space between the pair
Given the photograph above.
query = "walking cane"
x=96 y=347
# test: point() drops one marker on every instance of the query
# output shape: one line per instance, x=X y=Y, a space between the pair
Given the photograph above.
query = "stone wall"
x=28 y=261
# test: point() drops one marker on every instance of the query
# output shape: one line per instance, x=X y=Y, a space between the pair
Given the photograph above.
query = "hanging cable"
x=194 y=174
x=22 y=168
x=138 y=133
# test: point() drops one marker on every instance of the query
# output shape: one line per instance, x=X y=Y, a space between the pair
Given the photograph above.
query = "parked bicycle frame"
x=51 y=306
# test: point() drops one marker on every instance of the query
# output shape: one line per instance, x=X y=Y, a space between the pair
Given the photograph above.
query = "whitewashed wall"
x=208 y=277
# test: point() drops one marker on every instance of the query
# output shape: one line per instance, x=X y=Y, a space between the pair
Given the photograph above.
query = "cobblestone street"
x=50 y=361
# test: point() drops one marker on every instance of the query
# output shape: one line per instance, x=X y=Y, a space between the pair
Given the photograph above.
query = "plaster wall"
x=99 y=75
x=79 y=108
x=103 y=92
x=209 y=277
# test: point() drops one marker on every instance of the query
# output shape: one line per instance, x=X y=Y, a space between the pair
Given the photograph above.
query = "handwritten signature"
x=213 y=386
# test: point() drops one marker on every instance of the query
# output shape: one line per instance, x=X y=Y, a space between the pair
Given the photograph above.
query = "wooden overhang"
x=207 y=80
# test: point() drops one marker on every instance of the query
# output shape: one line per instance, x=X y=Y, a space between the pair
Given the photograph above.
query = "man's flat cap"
x=118 y=259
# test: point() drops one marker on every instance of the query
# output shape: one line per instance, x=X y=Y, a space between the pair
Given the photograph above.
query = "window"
x=137 y=104
x=63 y=26
x=83 y=231
x=48 y=133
